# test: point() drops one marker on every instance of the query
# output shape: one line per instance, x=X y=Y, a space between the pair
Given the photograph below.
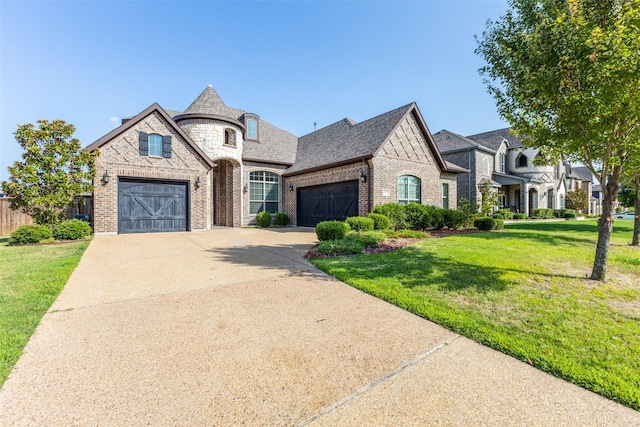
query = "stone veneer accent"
x=121 y=159
x=209 y=135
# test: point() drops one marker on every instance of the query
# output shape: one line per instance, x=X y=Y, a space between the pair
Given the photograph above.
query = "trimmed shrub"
x=340 y=246
x=484 y=223
x=499 y=225
x=407 y=234
x=367 y=238
x=418 y=216
x=360 y=223
x=380 y=221
x=542 y=213
x=519 y=215
x=30 y=234
x=497 y=216
x=72 y=229
x=395 y=213
x=506 y=213
x=331 y=230
x=282 y=219
x=453 y=219
x=263 y=219
x=570 y=215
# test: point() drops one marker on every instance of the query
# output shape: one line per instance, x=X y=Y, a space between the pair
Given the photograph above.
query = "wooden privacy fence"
x=10 y=220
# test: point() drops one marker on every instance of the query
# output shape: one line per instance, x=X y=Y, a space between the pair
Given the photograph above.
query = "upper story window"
x=408 y=189
x=230 y=137
x=154 y=145
x=486 y=167
x=522 y=161
x=263 y=192
x=503 y=161
x=252 y=129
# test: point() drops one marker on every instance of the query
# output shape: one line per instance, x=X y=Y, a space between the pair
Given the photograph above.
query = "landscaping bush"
x=340 y=246
x=331 y=230
x=360 y=223
x=519 y=215
x=380 y=221
x=453 y=219
x=263 y=219
x=437 y=217
x=395 y=213
x=72 y=229
x=406 y=234
x=542 y=213
x=569 y=215
x=484 y=223
x=282 y=219
x=30 y=234
x=418 y=216
x=497 y=216
x=506 y=213
x=367 y=238
x=469 y=212
x=499 y=225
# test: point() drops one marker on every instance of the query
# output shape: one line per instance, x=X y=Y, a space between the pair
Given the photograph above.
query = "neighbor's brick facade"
x=121 y=159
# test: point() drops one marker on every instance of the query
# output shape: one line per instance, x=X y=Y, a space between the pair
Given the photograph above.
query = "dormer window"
x=252 y=129
x=230 y=137
x=522 y=161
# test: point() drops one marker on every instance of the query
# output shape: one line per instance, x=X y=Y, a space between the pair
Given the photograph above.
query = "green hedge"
x=331 y=230
x=282 y=219
x=380 y=221
x=395 y=213
x=484 y=223
x=263 y=219
x=519 y=215
x=360 y=223
x=542 y=212
x=30 y=234
x=73 y=229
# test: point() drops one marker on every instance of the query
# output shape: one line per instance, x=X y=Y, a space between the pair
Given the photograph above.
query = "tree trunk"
x=636 y=220
x=605 y=226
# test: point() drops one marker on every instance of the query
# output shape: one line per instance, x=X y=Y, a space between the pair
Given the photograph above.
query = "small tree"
x=489 y=199
x=54 y=170
x=577 y=200
x=627 y=196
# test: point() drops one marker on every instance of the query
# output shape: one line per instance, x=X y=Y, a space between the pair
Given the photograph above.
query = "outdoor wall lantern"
x=246 y=188
x=290 y=187
x=197 y=183
x=106 y=177
x=363 y=177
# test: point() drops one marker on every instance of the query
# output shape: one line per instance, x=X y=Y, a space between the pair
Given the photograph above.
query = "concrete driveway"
x=234 y=327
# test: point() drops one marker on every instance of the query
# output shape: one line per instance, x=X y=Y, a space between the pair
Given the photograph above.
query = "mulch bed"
x=395 y=243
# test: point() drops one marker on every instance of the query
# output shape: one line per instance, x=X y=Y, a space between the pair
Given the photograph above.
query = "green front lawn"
x=523 y=292
x=31 y=277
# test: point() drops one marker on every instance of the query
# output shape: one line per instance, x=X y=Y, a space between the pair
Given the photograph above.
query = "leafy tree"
x=489 y=199
x=636 y=222
x=577 y=200
x=564 y=73
x=54 y=170
x=627 y=196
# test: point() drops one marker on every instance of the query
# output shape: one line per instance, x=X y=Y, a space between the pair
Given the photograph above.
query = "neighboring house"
x=499 y=158
x=164 y=170
x=581 y=177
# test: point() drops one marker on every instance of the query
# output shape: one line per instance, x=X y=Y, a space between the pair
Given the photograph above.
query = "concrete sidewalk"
x=234 y=327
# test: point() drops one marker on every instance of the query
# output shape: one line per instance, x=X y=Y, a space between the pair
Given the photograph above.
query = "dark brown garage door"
x=327 y=202
x=151 y=206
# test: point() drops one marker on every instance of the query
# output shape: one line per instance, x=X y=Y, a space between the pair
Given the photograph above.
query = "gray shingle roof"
x=274 y=145
x=209 y=102
x=447 y=141
x=494 y=138
x=346 y=140
x=580 y=172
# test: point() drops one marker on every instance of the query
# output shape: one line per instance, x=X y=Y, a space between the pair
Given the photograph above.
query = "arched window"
x=522 y=161
x=408 y=189
x=230 y=137
x=263 y=192
x=155 y=145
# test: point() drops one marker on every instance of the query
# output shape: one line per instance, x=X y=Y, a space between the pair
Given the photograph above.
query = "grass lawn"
x=31 y=277
x=523 y=292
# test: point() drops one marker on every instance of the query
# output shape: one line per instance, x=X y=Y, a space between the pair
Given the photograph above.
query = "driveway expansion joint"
x=379 y=381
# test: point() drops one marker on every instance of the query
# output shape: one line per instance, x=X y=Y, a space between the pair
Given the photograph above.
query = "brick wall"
x=283 y=191
x=120 y=158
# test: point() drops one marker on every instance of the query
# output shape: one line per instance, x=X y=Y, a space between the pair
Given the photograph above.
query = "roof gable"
x=493 y=139
x=448 y=142
x=137 y=119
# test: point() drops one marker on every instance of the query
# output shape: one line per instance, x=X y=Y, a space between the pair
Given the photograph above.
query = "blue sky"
x=292 y=63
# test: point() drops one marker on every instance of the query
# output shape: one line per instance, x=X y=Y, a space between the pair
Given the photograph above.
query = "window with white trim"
x=408 y=189
x=252 y=129
x=445 y=196
x=263 y=192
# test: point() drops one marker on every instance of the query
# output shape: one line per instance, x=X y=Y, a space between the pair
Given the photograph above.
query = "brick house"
x=165 y=170
x=499 y=158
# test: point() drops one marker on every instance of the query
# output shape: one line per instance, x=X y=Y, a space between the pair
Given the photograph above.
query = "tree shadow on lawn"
x=414 y=267
x=545 y=238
